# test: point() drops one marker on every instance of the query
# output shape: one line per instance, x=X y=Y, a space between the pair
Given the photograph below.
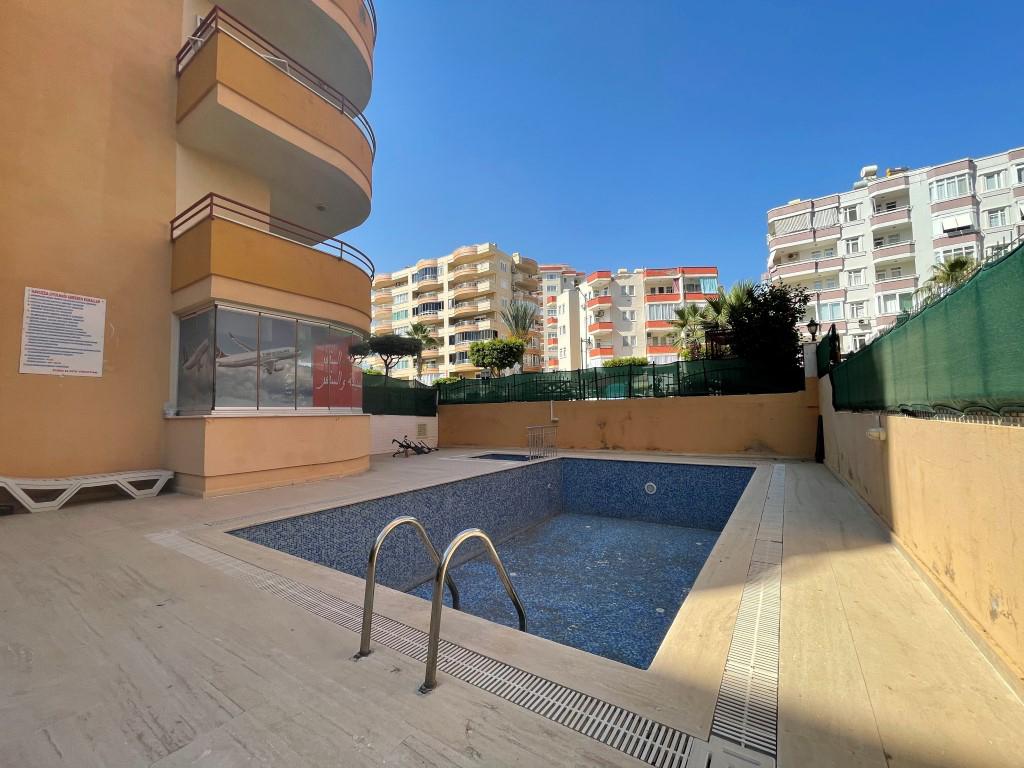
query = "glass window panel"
x=236 y=358
x=195 y=363
x=277 y=362
x=312 y=388
x=346 y=378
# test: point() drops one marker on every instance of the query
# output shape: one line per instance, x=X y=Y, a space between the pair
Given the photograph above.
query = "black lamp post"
x=812 y=328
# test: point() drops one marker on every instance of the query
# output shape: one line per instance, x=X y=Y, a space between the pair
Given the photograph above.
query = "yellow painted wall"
x=213 y=455
x=779 y=425
x=226 y=249
x=953 y=495
x=87 y=162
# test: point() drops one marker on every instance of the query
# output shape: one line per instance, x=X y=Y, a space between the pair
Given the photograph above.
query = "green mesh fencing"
x=964 y=351
x=383 y=395
x=680 y=379
x=827 y=351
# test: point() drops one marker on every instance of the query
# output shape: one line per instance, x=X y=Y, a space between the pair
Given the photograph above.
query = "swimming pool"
x=602 y=552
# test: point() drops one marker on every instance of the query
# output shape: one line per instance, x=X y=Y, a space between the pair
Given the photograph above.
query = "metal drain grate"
x=629 y=732
x=747 y=709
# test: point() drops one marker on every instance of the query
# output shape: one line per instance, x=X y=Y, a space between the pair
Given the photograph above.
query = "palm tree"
x=716 y=313
x=689 y=325
x=948 y=275
x=422 y=333
x=520 y=316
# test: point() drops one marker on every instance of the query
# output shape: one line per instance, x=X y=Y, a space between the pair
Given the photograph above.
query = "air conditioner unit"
x=864 y=323
x=599 y=313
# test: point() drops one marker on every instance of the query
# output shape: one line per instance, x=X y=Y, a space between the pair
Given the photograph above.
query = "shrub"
x=447 y=380
x=615 y=362
x=372 y=372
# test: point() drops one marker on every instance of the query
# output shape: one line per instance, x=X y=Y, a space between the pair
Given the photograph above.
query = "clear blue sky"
x=658 y=132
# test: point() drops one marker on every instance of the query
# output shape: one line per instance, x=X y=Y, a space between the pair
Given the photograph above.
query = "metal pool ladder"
x=371 y=574
x=440 y=577
x=541 y=441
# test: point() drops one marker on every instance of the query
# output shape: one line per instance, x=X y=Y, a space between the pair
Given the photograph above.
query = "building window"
x=990 y=182
x=629 y=341
x=401 y=314
x=661 y=311
x=400 y=298
x=1018 y=172
x=894 y=303
x=561 y=353
x=852 y=245
x=858 y=309
x=628 y=290
x=231 y=358
x=830 y=310
x=551 y=311
x=949 y=188
x=997 y=217
x=709 y=285
x=966 y=251
x=629 y=315
x=858 y=342
x=855 y=277
x=851 y=213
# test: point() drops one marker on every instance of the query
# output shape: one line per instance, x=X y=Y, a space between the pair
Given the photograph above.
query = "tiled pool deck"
x=115 y=650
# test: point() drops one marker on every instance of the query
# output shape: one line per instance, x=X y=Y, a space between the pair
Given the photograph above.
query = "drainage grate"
x=747 y=709
x=652 y=742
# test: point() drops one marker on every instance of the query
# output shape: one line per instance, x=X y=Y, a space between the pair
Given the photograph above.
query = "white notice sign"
x=62 y=333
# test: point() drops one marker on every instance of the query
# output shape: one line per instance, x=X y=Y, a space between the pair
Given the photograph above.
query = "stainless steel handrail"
x=371 y=574
x=434 y=640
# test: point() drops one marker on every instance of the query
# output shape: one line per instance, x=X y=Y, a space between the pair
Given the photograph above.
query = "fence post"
x=678 y=388
x=629 y=384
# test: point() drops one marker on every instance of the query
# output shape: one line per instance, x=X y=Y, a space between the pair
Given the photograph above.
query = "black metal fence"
x=679 y=379
x=383 y=395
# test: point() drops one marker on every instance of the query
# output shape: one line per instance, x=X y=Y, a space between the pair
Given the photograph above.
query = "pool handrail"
x=434 y=638
x=371 y=575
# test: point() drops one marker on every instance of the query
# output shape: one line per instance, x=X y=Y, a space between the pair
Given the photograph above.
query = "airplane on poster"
x=270 y=359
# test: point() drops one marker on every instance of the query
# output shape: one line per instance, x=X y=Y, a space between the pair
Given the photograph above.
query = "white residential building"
x=865 y=253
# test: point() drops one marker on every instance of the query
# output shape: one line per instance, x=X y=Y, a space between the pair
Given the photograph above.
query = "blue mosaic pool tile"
x=690 y=495
x=605 y=585
x=502 y=504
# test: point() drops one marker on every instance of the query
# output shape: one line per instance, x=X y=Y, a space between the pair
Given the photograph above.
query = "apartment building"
x=168 y=169
x=629 y=313
x=460 y=297
x=560 y=290
x=864 y=254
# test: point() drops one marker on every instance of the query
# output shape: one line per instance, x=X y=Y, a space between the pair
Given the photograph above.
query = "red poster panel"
x=337 y=382
x=321 y=376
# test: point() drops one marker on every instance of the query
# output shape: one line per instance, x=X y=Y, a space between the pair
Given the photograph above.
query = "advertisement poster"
x=337 y=382
x=62 y=333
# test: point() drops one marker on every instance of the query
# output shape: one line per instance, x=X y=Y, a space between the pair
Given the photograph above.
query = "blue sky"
x=657 y=132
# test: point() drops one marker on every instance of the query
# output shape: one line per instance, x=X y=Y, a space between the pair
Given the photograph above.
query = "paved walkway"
x=117 y=651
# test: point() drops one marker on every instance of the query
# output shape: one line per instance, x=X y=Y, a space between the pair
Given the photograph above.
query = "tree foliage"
x=497 y=355
x=390 y=348
x=764 y=329
x=617 y=362
x=520 y=316
x=447 y=380
x=946 y=276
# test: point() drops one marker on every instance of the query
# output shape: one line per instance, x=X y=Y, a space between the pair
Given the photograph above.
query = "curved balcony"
x=653 y=298
x=602 y=352
x=599 y=279
x=469 y=272
x=381 y=296
x=599 y=301
x=384 y=281
x=472 y=308
x=223 y=249
x=598 y=329
x=662 y=349
x=551 y=321
x=471 y=253
x=464 y=366
x=428 y=318
x=552 y=342
x=525 y=281
x=243 y=101
x=334 y=37
x=889 y=184
x=471 y=290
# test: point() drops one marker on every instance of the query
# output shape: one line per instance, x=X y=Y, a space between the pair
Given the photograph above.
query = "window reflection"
x=195 y=363
x=236 y=358
x=277 y=362
x=231 y=358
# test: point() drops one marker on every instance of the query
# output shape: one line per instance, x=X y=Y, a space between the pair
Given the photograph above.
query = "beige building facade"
x=865 y=254
x=175 y=166
x=459 y=297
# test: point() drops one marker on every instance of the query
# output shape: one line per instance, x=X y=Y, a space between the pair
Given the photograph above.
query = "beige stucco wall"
x=213 y=455
x=953 y=495
x=778 y=425
x=87 y=153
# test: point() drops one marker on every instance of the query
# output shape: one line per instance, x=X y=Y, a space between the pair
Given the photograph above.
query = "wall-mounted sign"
x=62 y=333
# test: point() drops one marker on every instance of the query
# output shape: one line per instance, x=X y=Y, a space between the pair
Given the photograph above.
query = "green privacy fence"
x=964 y=351
x=683 y=378
x=383 y=395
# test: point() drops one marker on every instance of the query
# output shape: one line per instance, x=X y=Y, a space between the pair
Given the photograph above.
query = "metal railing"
x=371 y=575
x=440 y=578
x=372 y=13
x=219 y=20
x=214 y=206
x=541 y=441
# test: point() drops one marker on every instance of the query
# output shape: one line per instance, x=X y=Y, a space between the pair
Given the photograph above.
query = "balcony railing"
x=219 y=20
x=215 y=206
